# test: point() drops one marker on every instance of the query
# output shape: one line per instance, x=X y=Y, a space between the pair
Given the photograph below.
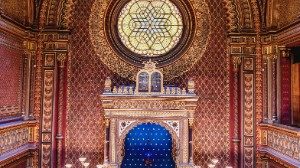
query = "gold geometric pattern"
x=150 y=28
x=211 y=126
x=126 y=70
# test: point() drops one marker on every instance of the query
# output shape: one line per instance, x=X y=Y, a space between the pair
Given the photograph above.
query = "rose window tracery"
x=185 y=29
x=150 y=28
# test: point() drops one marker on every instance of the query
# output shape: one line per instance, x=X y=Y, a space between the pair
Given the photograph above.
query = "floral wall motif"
x=285 y=91
x=10 y=76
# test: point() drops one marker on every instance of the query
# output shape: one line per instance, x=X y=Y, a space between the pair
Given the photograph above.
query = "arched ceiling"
x=240 y=13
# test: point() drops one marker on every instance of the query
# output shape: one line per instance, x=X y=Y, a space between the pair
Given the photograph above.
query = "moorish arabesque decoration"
x=150 y=28
x=119 y=59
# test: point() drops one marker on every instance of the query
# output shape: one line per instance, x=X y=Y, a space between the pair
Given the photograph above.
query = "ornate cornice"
x=240 y=15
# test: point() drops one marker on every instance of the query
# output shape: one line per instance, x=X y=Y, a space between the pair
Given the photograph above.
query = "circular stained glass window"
x=150 y=27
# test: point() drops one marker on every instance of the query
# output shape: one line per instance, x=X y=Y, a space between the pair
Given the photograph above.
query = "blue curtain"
x=148 y=145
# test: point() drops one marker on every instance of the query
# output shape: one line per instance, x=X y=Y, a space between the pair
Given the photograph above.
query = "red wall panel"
x=10 y=76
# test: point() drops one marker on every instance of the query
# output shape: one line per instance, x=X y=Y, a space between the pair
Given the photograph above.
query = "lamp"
x=86 y=164
x=68 y=165
x=214 y=161
x=211 y=165
x=82 y=159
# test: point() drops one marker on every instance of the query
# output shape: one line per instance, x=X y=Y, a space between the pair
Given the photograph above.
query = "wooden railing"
x=281 y=143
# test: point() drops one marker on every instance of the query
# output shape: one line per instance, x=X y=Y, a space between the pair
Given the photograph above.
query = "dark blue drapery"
x=148 y=145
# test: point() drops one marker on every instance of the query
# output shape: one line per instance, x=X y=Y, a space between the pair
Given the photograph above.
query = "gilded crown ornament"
x=149 y=65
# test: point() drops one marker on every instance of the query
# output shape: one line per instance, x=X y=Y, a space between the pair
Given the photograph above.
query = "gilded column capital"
x=270 y=52
x=236 y=60
x=271 y=57
x=61 y=58
x=191 y=122
x=106 y=122
x=284 y=51
x=29 y=47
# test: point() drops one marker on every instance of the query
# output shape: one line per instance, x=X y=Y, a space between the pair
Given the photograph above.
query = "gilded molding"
x=232 y=12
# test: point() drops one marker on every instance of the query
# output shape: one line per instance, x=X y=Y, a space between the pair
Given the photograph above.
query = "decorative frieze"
x=148 y=104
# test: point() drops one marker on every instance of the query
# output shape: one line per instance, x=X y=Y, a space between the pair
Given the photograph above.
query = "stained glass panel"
x=143 y=82
x=150 y=28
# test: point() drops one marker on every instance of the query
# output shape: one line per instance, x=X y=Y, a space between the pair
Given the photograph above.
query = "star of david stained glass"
x=160 y=30
x=150 y=28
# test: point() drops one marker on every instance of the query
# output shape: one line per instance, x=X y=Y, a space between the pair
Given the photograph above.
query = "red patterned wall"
x=285 y=90
x=10 y=77
x=211 y=130
x=86 y=78
x=85 y=131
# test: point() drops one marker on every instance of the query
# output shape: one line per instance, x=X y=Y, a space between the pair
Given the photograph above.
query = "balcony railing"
x=281 y=143
x=16 y=139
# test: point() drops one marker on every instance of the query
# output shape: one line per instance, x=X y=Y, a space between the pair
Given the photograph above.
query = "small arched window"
x=143 y=79
x=156 y=82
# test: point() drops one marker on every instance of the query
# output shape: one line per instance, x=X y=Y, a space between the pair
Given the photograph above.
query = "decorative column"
x=242 y=103
x=54 y=51
x=30 y=48
x=270 y=56
x=106 y=142
x=236 y=61
x=61 y=58
x=274 y=87
x=191 y=123
x=112 y=140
